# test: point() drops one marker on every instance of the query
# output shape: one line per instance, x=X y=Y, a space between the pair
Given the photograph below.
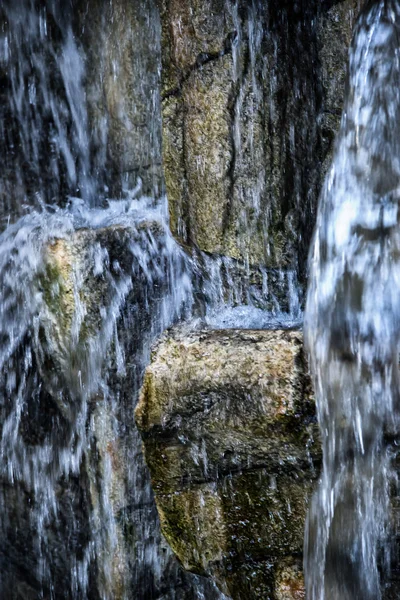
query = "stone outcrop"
x=228 y=423
x=251 y=100
x=334 y=33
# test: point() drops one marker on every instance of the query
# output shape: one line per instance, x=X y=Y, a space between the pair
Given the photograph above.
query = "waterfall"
x=72 y=362
x=90 y=276
x=352 y=323
x=87 y=283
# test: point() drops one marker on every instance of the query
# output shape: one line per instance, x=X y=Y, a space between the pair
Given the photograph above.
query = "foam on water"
x=250 y=317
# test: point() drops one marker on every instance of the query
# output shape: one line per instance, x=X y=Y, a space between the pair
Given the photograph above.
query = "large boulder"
x=230 y=437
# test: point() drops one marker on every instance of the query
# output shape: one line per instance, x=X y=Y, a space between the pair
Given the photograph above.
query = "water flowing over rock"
x=123 y=55
x=352 y=325
x=80 y=301
x=90 y=277
x=45 y=141
x=228 y=423
x=80 y=108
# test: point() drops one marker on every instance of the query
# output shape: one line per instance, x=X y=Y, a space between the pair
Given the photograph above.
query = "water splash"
x=237 y=296
x=352 y=322
x=69 y=294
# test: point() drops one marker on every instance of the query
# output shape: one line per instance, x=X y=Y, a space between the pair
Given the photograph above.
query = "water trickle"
x=43 y=115
x=352 y=323
x=237 y=296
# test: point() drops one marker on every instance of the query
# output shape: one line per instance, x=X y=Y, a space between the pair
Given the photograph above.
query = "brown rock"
x=228 y=424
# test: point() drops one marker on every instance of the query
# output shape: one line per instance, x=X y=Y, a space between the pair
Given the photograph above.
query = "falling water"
x=84 y=292
x=43 y=114
x=65 y=354
x=352 y=323
x=238 y=297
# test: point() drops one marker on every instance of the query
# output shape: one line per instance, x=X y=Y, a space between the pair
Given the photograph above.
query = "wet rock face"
x=80 y=102
x=252 y=95
x=121 y=41
x=88 y=279
x=334 y=33
x=229 y=432
x=73 y=482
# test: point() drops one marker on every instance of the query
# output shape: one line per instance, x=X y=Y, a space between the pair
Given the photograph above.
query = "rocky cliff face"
x=230 y=438
x=251 y=99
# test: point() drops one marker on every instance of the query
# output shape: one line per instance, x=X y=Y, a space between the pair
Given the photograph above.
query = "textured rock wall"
x=230 y=437
x=252 y=93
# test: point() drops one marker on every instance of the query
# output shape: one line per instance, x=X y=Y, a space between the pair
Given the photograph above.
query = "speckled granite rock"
x=229 y=432
x=252 y=95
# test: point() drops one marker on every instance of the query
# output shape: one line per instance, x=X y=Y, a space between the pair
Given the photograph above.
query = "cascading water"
x=44 y=121
x=84 y=293
x=236 y=297
x=60 y=350
x=352 y=323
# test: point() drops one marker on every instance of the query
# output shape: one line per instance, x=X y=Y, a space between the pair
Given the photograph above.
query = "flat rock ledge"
x=230 y=437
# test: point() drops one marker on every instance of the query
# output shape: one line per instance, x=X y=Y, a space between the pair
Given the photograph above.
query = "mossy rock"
x=251 y=99
x=230 y=437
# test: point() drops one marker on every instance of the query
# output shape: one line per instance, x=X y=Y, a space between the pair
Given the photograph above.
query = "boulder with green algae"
x=252 y=95
x=228 y=424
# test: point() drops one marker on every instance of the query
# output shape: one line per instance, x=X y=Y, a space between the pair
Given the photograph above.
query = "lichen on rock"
x=228 y=424
x=252 y=95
